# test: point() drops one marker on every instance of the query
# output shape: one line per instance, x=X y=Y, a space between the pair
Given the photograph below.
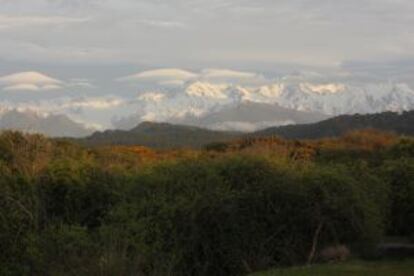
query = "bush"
x=19 y=213
x=77 y=193
x=67 y=210
x=240 y=214
x=400 y=176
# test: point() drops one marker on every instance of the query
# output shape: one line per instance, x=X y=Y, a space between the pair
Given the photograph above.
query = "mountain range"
x=250 y=108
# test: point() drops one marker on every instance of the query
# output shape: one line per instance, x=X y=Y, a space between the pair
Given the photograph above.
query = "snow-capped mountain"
x=277 y=103
x=335 y=99
x=330 y=98
x=214 y=98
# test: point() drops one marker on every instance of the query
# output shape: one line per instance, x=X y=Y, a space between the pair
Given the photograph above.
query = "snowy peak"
x=330 y=88
x=208 y=90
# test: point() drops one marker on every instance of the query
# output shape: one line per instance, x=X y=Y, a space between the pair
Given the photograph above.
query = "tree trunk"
x=312 y=252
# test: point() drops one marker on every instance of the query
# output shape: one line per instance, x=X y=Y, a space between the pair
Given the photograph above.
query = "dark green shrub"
x=235 y=215
x=77 y=193
x=19 y=212
x=63 y=213
x=400 y=176
x=65 y=250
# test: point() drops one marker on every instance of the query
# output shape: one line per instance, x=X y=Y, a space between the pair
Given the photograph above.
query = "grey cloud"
x=9 y=22
x=226 y=30
x=164 y=24
x=197 y=32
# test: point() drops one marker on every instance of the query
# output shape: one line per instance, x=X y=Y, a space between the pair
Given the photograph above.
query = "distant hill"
x=50 y=125
x=166 y=135
x=400 y=123
x=160 y=135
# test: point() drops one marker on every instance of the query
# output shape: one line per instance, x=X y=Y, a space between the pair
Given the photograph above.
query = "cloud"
x=80 y=83
x=247 y=126
x=9 y=21
x=161 y=75
x=215 y=33
x=22 y=87
x=29 y=81
x=97 y=103
x=164 y=24
x=167 y=77
x=29 y=77
x=49 y=87
x=225 y=73
x=152 y=97
x=231 y=76
x=172 y=83
x=67 y=104
x=175 y=77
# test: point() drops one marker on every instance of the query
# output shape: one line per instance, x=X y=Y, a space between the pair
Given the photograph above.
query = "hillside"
x=166 y=135
x=401 y=123
x=160 y=135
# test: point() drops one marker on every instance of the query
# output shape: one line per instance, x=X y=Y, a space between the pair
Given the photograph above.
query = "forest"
x=229 y=208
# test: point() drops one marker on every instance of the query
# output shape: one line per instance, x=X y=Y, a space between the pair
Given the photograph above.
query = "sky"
x=196 y=32
x=86 y=47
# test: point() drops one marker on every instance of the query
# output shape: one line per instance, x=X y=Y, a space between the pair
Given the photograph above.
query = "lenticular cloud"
x=29 y=81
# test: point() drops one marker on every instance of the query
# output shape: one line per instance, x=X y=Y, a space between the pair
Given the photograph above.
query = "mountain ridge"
x=400 y=123
x=160 y=135
x=167 y=135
